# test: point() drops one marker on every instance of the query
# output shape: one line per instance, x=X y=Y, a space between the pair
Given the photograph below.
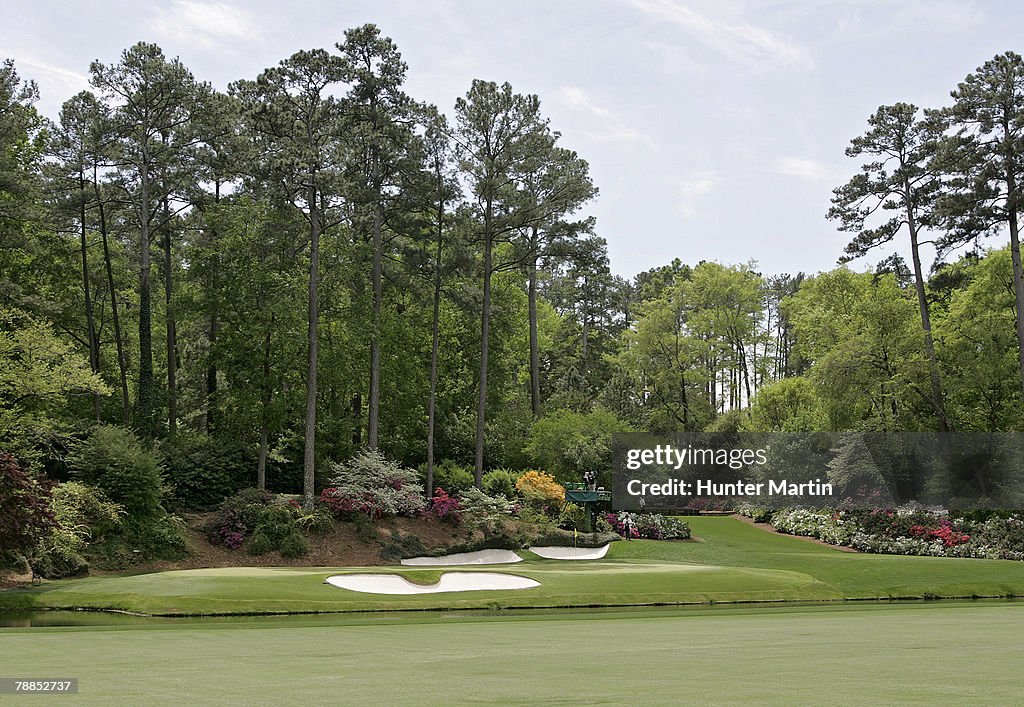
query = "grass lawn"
x=734 y=562
x=843 y=654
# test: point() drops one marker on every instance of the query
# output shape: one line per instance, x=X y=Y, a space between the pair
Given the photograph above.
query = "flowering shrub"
x=827 y=525
x=445 y=507
x=908 y=530
x=539 y=488
x=649 y=526
x=237 y=517
x=483 y=511
x=370 y=484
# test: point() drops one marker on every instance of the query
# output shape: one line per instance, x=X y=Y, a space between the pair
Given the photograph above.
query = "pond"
x=52 y=619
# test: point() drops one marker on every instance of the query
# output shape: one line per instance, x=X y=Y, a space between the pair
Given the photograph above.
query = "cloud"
x=799 y=167
x=691 y=189
x=742 y=42
x=50 y=76
x=205 y=24
x=612 y=127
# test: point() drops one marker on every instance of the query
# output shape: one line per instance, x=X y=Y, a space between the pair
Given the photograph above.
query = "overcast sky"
x=714 y=130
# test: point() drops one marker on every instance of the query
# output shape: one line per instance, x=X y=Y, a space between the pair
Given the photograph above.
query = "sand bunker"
x=480 y=557
x=449 y=582
x=571 y=553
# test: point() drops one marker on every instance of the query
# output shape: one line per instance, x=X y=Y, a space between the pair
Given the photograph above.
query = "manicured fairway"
x=860 y=654
x=734 y=562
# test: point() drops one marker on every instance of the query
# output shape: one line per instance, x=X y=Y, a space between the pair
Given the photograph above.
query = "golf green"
x=733 y=561
x=845 y=654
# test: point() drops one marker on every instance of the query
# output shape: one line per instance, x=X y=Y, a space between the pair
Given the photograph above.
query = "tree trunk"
x=485 y=326
x=172 y=337
x=534 y=343
x=122 y=363
x=144 y=400
x=1018 y=278
x=357 y=420
x=261 y=465
x=309 y=457
x=926 y=323
x=373 y=408
x=434 y=346
x=214 y=327
x=94 y=344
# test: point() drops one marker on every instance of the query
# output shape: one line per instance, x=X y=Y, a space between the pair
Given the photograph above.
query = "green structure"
x=589 y=499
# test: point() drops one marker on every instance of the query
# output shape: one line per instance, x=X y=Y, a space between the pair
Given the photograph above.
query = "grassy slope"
x=736 y=562
x=844 y=655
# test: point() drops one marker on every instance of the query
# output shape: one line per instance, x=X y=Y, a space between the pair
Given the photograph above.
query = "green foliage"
x=571 y=517
x=202 y=471
x=274 y=524
x=317 y=522
x=451 y=476
x=569 y=443
x=787 y=405
x=39 y=373
x=83 y=516
x=141 y=539
x=481 y=511
x=400 y=546
x=501 y=482
x=861 y=334
x=294 y=546
x=114 y=460
x=979 y=346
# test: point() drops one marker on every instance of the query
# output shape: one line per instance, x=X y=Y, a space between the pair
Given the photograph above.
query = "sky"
x=714 y=130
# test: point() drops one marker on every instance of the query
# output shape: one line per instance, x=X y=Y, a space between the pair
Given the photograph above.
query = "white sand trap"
x=571 y=553
x=449 y=582
x=480 y=557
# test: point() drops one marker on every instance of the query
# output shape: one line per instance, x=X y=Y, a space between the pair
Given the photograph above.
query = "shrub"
x=25 y=512
x=451 y=476
x=567 y=538
x=398 y=547
x=540 y=489
x=273 y=525
x=366 y=531
x=649 y=526
x=202 y=471
x=294 y=545
x=571 y=517
x=501 y=482
x=114 y=460
x=377 y=487
x=318 y=522
x=445 y=507
x=237 y=517
x=259 y=544
x=483 y=511
x=83 y=515
x=141 y=539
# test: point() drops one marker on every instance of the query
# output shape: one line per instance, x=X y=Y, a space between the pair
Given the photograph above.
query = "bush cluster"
x=539 y=488
x=647 y=526
x=373 y=486
x=908 y=530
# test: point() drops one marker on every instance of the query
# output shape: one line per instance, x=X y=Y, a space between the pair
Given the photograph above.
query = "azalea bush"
x=25 y=512
x=445 y=507
x=908 y=530
x=538 y=488
x=236 y=518
x=374 y=486
x=648 y=526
